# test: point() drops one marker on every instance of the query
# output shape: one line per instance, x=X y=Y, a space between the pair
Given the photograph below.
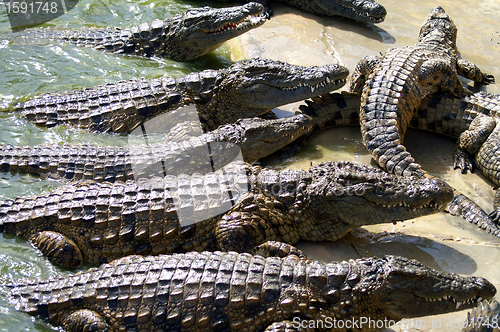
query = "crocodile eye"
x=398 y=276
x=257 y=70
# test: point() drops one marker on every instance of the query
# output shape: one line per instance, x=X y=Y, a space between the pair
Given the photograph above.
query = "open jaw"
x=262 y=95
x=277 y=95
x=247 y=23
x=360 y=210
x=253 y=19
x=321 y=87
x=425 y=306
x=413 y=195
x=426 y=208
x=412 y=289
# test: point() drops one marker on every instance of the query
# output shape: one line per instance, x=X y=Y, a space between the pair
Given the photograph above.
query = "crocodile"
x=258 y=138
x=359 y=10
x=437 y=113
x=183 y=37
x=473 y=121
x=483 y=318
x=217 y=291
x=245 y=89
x=254 y=138
x=236 y=208
x=393 y=85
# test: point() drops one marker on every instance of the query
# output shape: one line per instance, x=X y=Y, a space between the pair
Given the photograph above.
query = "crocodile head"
x=439 y=27
x=260 y=137
x=394 y=287
x=201 y=30
x=256 y=86
x=337 y=197
x=360 y=10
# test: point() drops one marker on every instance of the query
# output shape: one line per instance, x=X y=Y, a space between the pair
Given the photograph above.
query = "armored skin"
x=236 y=208
x=245 y=89
x=254 y=138
x=393 y=85
x=183 y=37
x=230 y=291
x=359 y=10
x=437 y=113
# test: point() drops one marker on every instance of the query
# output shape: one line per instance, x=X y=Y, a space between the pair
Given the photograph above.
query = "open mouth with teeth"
x=247 y=23
x=432 y=205
x=448 y=303
x=367 y=16
x=417 y=306
x=464 y=294
x=326 y=85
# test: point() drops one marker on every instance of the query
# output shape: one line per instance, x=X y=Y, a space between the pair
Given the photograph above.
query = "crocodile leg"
x=481 y=136
x=471 y=140
x=58 y=248
x=277 y=249
x=345 y=107
x=243 y=231
x=471 y=71
x=439 y=75
x=361 y=72
x=84 y=320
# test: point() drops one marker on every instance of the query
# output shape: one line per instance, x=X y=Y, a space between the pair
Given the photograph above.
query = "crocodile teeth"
x=458 y=304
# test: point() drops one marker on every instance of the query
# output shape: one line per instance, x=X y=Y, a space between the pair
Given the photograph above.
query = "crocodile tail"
x=26 y=295
x=464 y=207
x=115 y=107
x=110 y=39
x=17 y=159
x=69 y=162
x=382 y=132
x=8 y=216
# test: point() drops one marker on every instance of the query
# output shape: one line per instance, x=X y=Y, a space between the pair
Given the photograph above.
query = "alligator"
x=393 y=85
x=183 y=37
x=236 y=208
x=216 y=291
x=245 y=89
x=483 y=318
x=254 y=138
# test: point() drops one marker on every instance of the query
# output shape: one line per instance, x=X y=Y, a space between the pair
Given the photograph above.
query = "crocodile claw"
x=488 y=79
x=463 y=161
x=495 y=215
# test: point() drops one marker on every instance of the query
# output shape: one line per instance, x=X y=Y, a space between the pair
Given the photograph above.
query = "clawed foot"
x=488 y=79
x=495 y=216
x=463 y=161
x=278 y=249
